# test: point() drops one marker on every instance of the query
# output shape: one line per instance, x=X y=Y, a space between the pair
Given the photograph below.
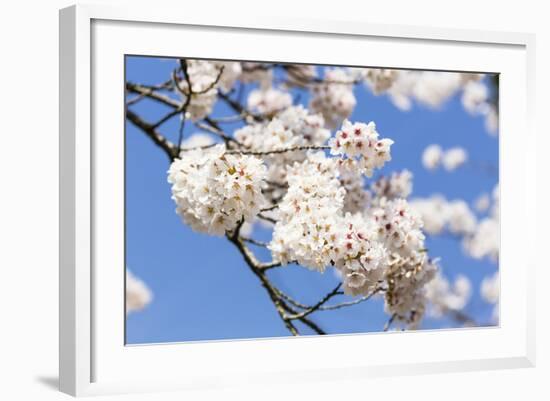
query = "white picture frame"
x=93 y=358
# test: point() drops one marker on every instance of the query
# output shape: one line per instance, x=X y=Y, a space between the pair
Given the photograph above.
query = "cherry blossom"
x=490 y=291
x=334 y=98
x=360 y=142
x=138 y=295
x=269 y=100
x=214 y=190
x=444 y=295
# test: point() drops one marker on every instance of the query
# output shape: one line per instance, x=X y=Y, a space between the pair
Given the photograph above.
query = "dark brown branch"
x=251 y=261
x=280 y=305
x=168 y=147
x=168 y=116
x=312 y=325
x=185 y=105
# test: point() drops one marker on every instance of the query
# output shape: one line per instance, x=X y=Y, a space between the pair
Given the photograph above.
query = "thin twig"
x=270 y=208
x=255 y=242
x=291 y=300
x=351 y=303
x=334 y=292
x=277 y=151
x=267 y=218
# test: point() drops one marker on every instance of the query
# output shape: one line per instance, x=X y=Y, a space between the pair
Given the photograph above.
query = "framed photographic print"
x=345 y=200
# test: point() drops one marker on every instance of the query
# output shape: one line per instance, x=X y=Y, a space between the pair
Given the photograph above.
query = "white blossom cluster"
x=215 y=190
x=475 y=99
x=359 y=256
x=482 y=203
x=400 y=227
x=360 y=143
x=451 y=159
x=396 y=185
x=202 y=75
x=232 y=71
x=430 y=88
x=480 y=238
x=410 y=268
x=433 y=89
x=196 y=140
x=357 y=198
x=444 y=295
x=293 y=127
x=490 y=292
x=380 y=245
x=309 y=213
x=334 y=97
x=314 y=231
x=439 y=215
x=206 y=78
x=380 y=80
x=256 y=72
x=138 y=295
x=323 y=212
x=485 y=239
x=300 y=75
x=269 y=100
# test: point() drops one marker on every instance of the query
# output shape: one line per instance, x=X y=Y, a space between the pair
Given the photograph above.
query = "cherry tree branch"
x=168 y=147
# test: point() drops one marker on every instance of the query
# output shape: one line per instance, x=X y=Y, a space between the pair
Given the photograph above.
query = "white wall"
x=28 y=212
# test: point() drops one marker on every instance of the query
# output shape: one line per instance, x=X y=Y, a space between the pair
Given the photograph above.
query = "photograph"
x=269 y=199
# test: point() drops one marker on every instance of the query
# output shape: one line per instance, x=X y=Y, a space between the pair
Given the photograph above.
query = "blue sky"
x=202 y=289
